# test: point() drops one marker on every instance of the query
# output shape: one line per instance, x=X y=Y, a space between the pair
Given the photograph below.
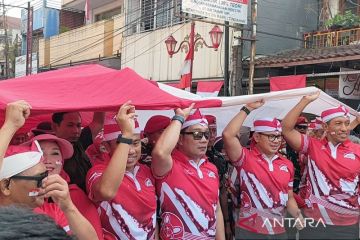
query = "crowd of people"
x=176 y=178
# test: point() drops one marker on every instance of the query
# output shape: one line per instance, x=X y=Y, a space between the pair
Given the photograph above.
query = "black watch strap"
x=245 y=109
x=121 y=139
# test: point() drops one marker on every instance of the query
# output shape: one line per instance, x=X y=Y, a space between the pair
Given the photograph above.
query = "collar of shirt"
x=345 y=144
x=265 y=158
x=180 y=156
x=132 y=175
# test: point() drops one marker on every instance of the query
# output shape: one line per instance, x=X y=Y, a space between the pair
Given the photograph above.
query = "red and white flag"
x=287 y=82
x=87 y=10
x=185 y=73
x=209 y=88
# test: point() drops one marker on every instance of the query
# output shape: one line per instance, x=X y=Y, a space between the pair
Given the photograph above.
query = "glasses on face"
x=197 y=135
x=272 y=137
x=37 y=178
x=301 y=127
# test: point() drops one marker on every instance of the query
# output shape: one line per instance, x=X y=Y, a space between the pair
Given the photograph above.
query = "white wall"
x=146 y=53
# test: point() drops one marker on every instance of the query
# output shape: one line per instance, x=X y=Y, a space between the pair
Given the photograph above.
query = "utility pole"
x=29 y=40
x=226 y=60
x=253 y=46
x=6 y=50
x=237 y=55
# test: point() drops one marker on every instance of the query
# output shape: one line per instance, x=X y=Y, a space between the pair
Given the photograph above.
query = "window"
x=107 y=14
x=350 y=5
x=146 y=15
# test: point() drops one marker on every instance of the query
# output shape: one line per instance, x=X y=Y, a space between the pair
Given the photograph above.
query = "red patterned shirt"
x=264 y=186
x=332 y=181
x=132 y=213
x=189 y=195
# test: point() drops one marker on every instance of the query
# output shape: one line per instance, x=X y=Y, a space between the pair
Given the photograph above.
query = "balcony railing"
x=332 y=38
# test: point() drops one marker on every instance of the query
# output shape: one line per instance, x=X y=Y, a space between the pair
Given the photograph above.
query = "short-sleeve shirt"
x=131 y=214
x=189 y=195
x=332 y=181
x=264 y=186
x=53 y=211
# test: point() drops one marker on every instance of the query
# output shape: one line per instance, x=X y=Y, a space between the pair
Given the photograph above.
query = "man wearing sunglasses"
x=266 y=178
x=24 y=181
x=187 y=183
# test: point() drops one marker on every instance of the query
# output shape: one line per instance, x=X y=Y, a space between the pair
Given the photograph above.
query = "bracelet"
x=121 y=139
x=179 y=118
x=245 y=109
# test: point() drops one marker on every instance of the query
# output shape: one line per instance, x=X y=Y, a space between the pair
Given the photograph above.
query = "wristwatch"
x=121 y=139
x=245 y=109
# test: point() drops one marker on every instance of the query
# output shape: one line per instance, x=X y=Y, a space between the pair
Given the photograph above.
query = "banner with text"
x=226 y=10
x=349 y=85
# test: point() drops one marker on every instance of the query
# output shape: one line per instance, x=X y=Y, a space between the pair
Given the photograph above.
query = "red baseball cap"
x=156 y=123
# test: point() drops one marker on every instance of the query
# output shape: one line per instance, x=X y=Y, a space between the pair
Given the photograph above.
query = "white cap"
x=20 y=158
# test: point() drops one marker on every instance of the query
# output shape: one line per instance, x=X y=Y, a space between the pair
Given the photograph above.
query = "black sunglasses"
x=37 y=178
x=272 y=137
x=301 y=127
x=197 y=135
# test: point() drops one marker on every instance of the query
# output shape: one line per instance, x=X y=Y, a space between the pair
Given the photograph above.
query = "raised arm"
x=56 y=187
x=355 y=122
x=231 y=142
x=161 y=155
x=16 y=113
x=293 y=137
x=97 y=123
x=107 y=186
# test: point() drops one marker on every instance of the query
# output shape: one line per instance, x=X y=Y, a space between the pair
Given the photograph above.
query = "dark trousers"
x=242 y=234
x=330 y=232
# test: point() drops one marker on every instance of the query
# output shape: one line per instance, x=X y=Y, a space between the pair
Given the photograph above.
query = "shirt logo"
x=148 y=183
x=211 y=174
x=188 y=172
x=284 y=168
x=350 y=156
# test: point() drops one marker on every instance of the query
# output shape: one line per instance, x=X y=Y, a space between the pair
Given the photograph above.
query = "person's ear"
x=325 y=126
x=256 y=137
x=54 y=126
x=5 y=187
x=180 y=141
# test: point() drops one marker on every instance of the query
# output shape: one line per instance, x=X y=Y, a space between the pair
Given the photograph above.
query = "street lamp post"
x=192 y=41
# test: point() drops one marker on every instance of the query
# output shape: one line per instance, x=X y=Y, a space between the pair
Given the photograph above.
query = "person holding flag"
x=332 y=178
x=266 y=178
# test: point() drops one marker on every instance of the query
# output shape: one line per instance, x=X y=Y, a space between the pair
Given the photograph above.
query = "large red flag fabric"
x=88 y=88
x=287 y=82
x=209 y=88
x=185 y=72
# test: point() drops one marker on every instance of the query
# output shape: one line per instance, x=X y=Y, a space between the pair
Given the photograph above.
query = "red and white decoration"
x=209 y=88
x=332 y=113
x=87 y=10
x=185 y=73
x=98 y=88
x=267 y=125
x=287 y=82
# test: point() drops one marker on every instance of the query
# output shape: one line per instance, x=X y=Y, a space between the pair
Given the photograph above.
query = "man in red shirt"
x=333 y=173
x=187 y=183
x=122 y=188
x=266 y=178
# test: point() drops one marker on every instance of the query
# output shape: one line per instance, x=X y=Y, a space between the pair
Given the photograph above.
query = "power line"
x=114 y=30
x=109 y=35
